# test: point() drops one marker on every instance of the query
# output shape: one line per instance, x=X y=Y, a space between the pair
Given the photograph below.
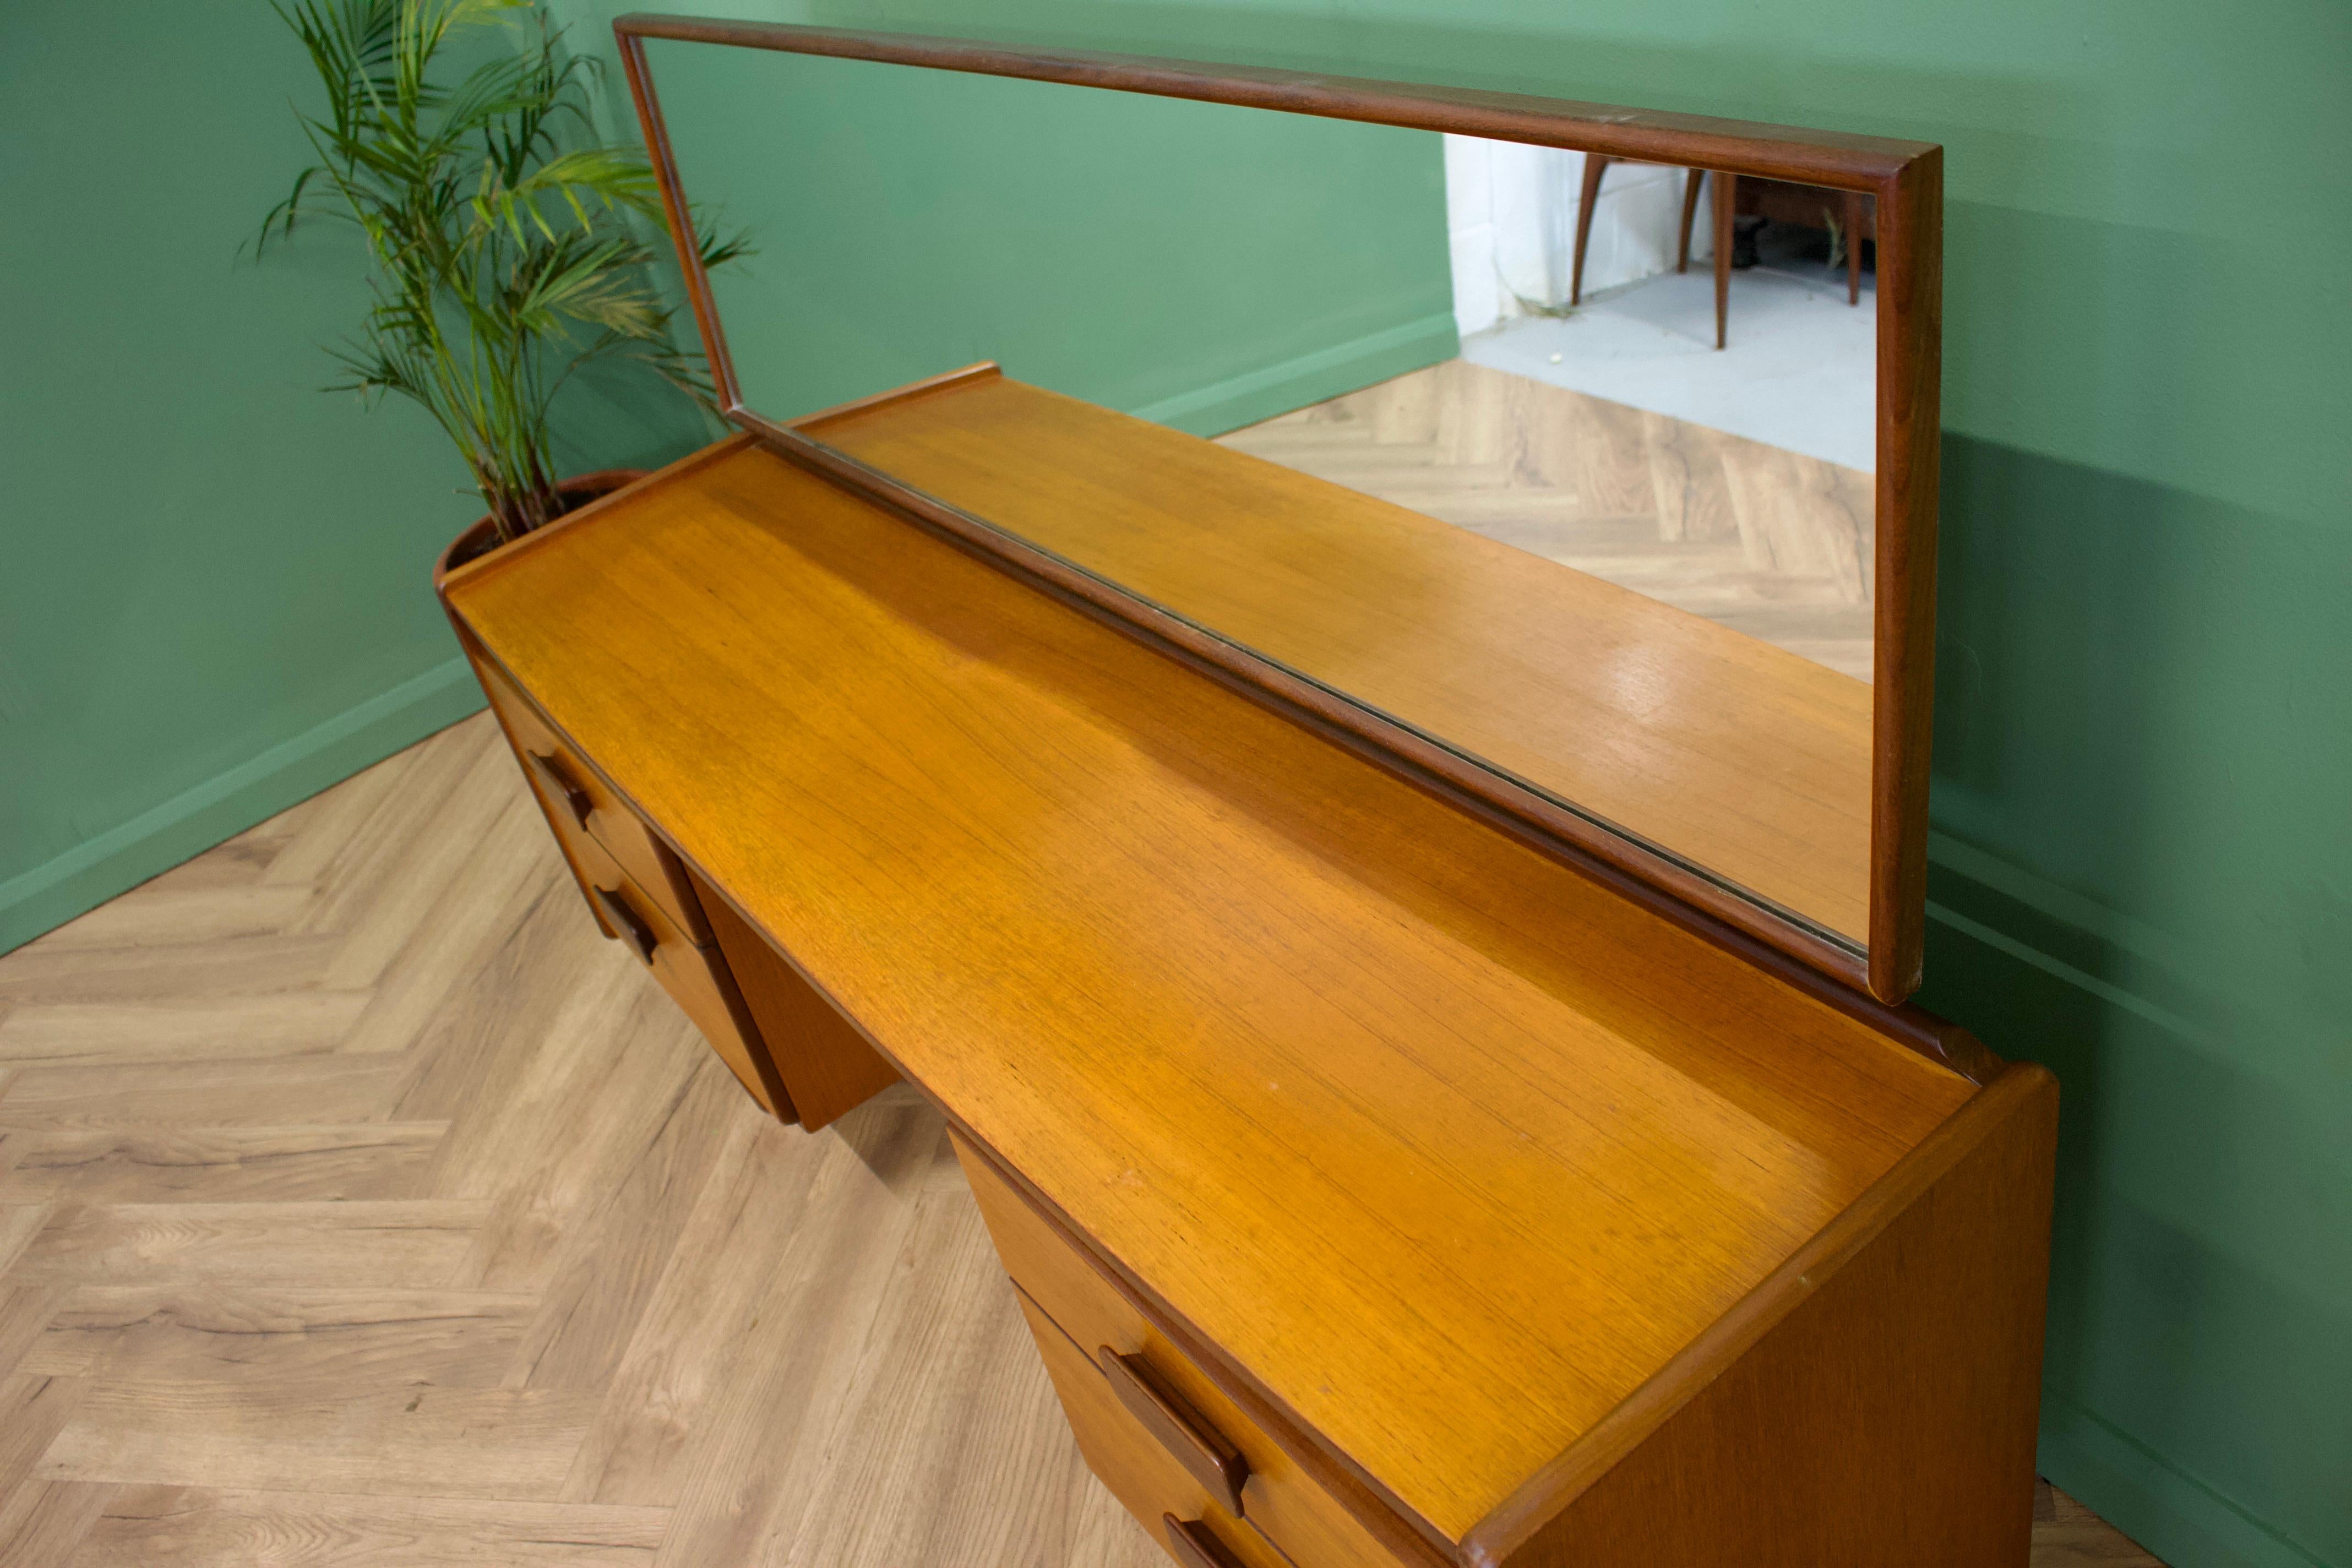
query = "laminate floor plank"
x=433 y=891
x=603 y=1106
x=322 y=836
x=712 y=1290
x=176 y=1527
x=764 y=1443
x=34 y=1411
x=523 y=1279
x=946 y=1421
x=2068 y=1535
x=43 y=1522
x=552 y=973
x=292 y=1023
x=399 y=1243
x=320 y=1434
x=211 y=1332
x=181 y=972
x=20 y=1225
x=175 y=915
x=403 y=843
x=25 y=1314
x=617 y=1256
x=340 y=1161
x=229 y=1092
x=423 y=949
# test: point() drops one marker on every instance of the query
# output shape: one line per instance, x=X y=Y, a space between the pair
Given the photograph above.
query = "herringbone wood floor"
x=1767 y=542
x=359 y=1207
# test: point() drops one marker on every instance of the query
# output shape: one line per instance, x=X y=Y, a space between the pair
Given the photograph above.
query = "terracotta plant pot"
x=477 y=539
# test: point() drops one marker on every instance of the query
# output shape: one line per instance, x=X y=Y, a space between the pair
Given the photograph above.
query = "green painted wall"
x=213 y=579
x=2143 y=867
x=1204 y=265
x=215 y=599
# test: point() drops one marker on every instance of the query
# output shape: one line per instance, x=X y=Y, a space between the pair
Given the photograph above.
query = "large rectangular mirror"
x=1581 y=460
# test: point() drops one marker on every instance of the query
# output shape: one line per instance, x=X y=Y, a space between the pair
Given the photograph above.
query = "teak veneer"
x=1362 y=1163
x=1866 y=934
x=1751 y=762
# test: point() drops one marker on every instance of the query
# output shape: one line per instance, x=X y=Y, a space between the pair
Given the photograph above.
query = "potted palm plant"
x=508 y=249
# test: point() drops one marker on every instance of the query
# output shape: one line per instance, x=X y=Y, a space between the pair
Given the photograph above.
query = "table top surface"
x=1446 y=1147
x=1748 y=759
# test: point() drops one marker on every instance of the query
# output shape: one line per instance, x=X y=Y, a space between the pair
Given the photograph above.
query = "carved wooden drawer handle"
x=629 y=923
x=1199 y=1447
x=1195 y=1545
x=558 y=778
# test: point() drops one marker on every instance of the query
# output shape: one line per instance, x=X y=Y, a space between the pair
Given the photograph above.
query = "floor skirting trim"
x=1311 y=378
x=227 y=804
x=2175 y=1516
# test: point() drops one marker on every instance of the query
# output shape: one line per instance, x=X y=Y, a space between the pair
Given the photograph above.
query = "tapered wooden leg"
x=1690 y=217
x=1593 y=164
x=1726 y=192
x=1854 y=248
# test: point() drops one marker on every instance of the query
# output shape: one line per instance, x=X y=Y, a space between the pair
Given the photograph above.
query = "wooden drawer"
x=1161 y=1494
x=1279 y=1496
x=580 y=805
x=696 y=978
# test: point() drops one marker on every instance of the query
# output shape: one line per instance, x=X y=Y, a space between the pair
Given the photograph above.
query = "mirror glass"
x=1564 y=465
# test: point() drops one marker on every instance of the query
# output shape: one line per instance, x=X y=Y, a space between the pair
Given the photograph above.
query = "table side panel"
x=824 y=1063
x=1890 y=1417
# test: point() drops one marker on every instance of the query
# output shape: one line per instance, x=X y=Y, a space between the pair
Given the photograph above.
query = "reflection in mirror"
x=1570 y=458
x=1622 y=405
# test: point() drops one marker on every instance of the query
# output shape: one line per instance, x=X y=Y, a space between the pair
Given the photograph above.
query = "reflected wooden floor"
x=1767 y=541
x=359 y=1205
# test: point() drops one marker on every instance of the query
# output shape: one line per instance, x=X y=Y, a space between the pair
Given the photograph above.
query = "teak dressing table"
x=1386 y=1180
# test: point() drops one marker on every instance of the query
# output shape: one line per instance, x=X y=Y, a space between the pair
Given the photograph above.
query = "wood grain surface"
x=1317 y=1511
x=1446 y=1148
x=1887 y=1413
x=1836 y=158
x=826 y=1066
x=1883 y=959
x=773 y=1325
x=1750 y=760
x=1910 y=221
x=1138 y=1468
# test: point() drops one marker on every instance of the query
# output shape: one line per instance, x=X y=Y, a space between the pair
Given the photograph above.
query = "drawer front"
x=577 y=799
x=590 y=861
x=1278 y=1496
x=697 y=980
x=1190 y=1525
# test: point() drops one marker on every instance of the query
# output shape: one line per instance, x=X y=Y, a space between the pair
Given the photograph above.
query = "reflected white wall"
x=1511 y=218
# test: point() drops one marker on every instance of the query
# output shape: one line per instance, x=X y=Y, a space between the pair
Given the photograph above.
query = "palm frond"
x=508 y=246
x=717 y=249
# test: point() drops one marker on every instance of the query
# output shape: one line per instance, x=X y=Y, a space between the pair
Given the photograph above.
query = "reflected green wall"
x=1200 y=263
x=2143 y=867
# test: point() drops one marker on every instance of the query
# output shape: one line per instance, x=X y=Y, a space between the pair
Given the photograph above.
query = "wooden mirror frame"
x=1905 y=178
